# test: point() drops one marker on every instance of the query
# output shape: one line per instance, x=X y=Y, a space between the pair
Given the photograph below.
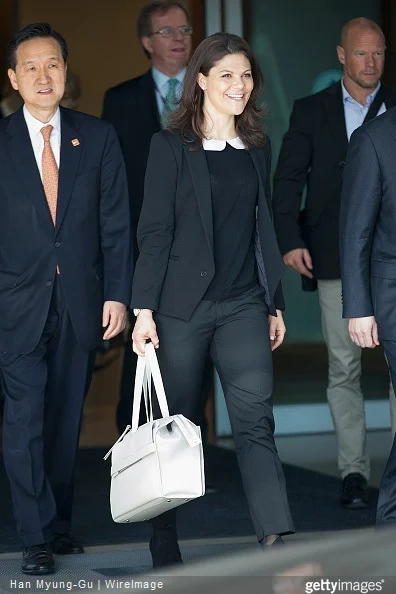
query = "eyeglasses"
x=172 y=31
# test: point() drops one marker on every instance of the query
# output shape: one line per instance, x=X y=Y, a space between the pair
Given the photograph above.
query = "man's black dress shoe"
x=354 y=491
x=38 y=560
x=164 y=548
x=63 y=544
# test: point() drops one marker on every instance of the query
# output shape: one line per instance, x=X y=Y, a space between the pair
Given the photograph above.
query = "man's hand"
x=300 y=260
x=364 y=332
x=277 y=329
x=145 y=329
x=114 y=318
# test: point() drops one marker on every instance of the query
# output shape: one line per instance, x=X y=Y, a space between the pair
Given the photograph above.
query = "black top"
x=175 y=235
x=234 y=186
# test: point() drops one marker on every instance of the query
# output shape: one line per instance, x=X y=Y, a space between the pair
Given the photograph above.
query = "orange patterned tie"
x=50 y=172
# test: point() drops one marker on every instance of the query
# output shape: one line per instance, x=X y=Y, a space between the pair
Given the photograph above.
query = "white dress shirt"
x=161 y=86
x=34 y=128
x=355 y=112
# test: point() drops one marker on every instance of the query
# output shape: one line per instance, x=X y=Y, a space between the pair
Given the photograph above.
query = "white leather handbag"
x=159 y=465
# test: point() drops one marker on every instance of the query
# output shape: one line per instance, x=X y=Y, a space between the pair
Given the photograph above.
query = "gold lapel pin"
x=75 y=142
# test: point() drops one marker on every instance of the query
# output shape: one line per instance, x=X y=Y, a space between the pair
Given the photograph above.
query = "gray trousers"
x=344 y=393
x=235 y=333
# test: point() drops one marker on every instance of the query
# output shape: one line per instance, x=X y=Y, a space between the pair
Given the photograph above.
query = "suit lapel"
x=264 y=201
x=335 y=111
x=201 y=181
x=393 y=130
x=149 y=100
x=268 y=257
x=70 y=155
x=258 y=162
x=22 y=156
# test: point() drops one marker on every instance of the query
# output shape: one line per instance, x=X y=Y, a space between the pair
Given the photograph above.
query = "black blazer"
x=131 y=107
x=313 y=155
x=175 y=234
x=368 y=225
x=91 y=240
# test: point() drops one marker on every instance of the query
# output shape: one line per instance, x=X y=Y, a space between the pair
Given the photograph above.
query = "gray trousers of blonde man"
x=344 y=393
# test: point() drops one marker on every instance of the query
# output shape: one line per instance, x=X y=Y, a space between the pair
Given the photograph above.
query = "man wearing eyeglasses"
x=137 y=109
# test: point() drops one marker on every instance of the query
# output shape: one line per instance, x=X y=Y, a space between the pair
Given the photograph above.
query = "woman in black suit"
x=208 y=274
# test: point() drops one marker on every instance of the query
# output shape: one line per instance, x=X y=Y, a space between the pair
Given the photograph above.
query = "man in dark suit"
x=65 y=271
x=135 y=108
x=368 y=259
x=313 y=154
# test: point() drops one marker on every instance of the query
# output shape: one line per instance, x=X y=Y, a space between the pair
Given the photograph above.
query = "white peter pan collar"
x=219 y=145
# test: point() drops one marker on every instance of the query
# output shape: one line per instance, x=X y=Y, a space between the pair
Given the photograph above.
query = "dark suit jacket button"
x=58 y=244
x=49 y=283
x=203 y=273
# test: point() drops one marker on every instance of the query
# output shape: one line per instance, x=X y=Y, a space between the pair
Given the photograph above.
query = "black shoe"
x=277 y=542
x=63 y=544
x=354 y=491
x=38 y=560
x=164 y=548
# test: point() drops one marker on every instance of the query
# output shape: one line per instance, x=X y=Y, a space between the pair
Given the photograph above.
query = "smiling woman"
x=222 y=86
x=228 y=86
x=207 y=280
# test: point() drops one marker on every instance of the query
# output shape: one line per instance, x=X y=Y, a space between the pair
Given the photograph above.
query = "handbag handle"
x=147 y=394
x=153 y=365
x=148 y=366
x=140 y=379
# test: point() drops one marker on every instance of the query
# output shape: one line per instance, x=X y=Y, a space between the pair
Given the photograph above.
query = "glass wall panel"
x=295 y=42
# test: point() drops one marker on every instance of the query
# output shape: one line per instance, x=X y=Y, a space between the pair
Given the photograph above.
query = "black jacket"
x=175 y=234
x=131 y=107
x=313 y=155
x=90 y=242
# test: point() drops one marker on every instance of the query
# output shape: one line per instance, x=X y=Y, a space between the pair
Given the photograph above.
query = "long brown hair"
x=189 y=116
